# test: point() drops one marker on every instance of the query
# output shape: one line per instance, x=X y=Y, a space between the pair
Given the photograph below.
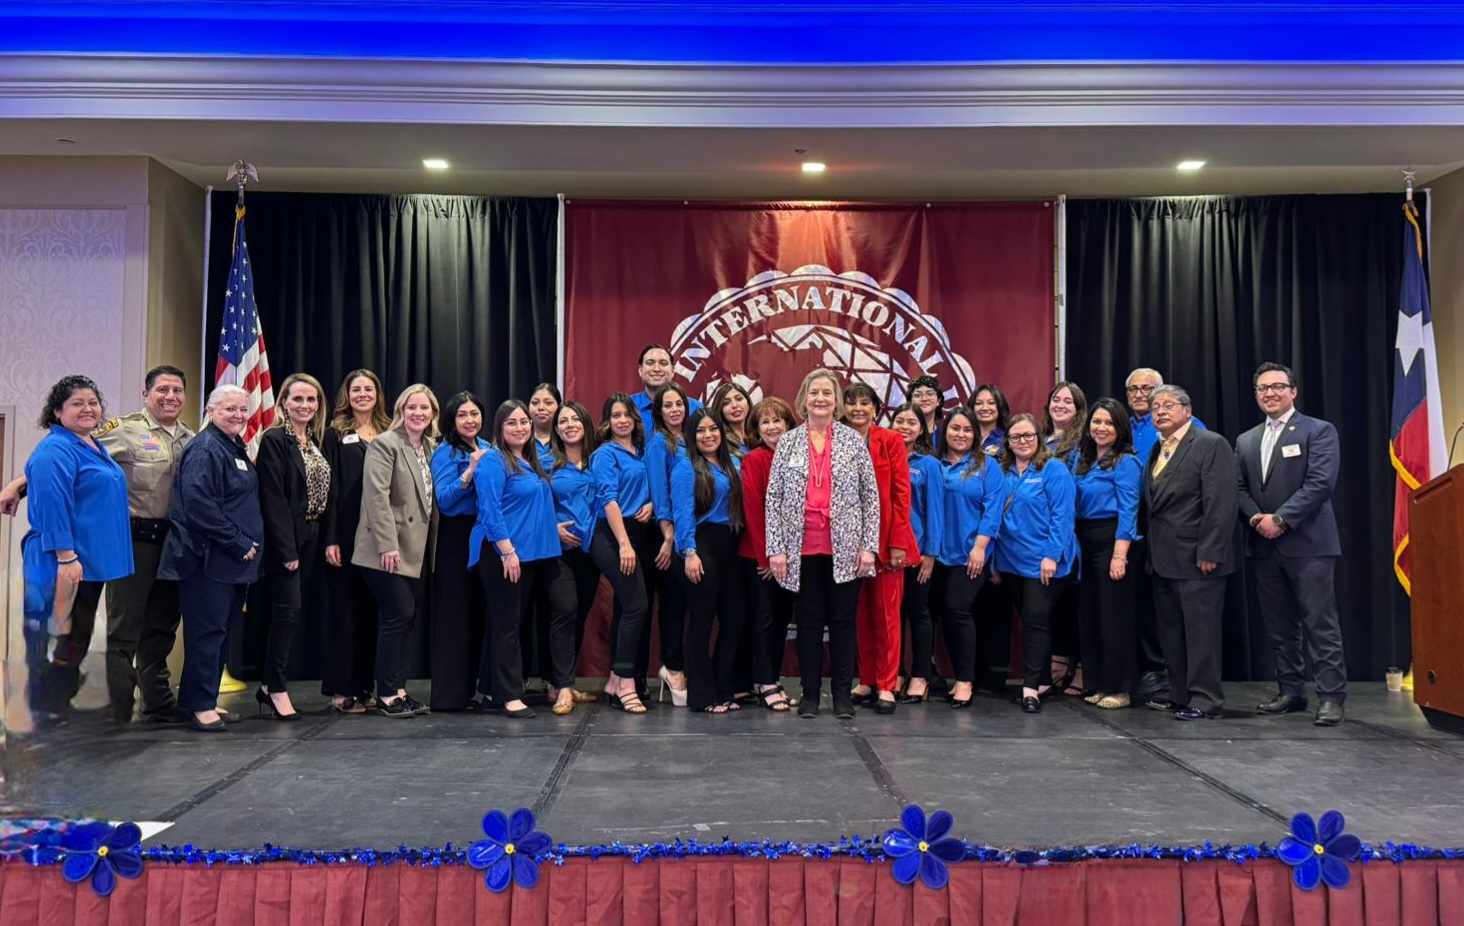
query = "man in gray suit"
x=1287 y=469
x=1189 y=506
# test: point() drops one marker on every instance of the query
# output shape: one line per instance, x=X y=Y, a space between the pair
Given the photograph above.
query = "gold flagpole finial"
x=1408 y=175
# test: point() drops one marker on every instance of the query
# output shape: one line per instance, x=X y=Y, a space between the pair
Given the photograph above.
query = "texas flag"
x=1417 y=442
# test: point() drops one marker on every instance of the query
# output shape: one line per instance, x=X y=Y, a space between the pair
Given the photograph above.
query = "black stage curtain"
x=1204 y=289
x=454 y=291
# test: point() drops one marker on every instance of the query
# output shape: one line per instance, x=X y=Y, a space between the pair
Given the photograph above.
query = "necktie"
x=1166 y=450
x=1268 y=445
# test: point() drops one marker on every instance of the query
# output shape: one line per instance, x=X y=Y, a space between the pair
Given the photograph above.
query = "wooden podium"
x=1436 y=563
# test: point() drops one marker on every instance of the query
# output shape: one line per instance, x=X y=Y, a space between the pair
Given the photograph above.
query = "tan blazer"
x=396 y=511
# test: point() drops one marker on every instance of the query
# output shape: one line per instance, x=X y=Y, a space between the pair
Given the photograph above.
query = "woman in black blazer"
x=294 y=494
x=349 y=664
x=212 y=550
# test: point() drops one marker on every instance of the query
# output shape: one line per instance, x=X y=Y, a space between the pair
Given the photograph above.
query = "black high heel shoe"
x=265 y=700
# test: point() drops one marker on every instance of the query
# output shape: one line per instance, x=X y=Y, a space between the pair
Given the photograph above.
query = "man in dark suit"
x=1189 y=504
x=1287 y=469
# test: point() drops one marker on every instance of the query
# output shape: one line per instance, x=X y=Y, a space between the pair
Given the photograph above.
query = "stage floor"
x=1071 y=775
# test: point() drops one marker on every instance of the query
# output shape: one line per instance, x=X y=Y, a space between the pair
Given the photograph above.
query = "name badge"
x=1291 y=450
x=351 y=439
x=241 y=465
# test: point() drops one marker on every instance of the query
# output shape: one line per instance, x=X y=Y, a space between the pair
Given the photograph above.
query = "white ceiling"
x=864 y=163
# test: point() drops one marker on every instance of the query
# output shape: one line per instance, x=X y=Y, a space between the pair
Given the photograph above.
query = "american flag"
x=242 y=359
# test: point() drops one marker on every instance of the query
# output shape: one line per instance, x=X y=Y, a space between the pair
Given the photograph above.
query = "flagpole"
x=203 y=369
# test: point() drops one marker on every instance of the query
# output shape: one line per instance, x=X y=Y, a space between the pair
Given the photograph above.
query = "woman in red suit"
x=772 y=605
x=878 y=624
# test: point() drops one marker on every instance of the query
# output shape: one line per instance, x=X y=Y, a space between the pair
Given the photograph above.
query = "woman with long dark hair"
x=927 y=486
x=457 y=596
x=515 y=548
x=626 y=540
x=990 y=409
x=544 y=402
x=576 y=514
x=348 y=663
x=1109 y=479
x=770 y=608
x=733 y=407
x=1064 y=422
x=1036 y=550
x=706 y=498
x=664 y=447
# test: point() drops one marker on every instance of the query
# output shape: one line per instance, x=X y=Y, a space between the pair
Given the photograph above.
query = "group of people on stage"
x=1108 y=528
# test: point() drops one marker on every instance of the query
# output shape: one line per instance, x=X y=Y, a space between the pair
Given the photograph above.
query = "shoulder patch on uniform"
x=107 y=427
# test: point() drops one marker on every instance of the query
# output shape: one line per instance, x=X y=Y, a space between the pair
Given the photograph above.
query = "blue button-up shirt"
x=1038 y=521
x=660 y=460
x=927 y=488
x=454 y=500
x=642 y=400
x=513 y=506
x=78 y=501
x=683 y=501
x=574 y=501
x=620 y=476
x=1112 y=493
x=972 y=507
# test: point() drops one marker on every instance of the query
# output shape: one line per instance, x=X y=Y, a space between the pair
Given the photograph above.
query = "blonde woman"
x=294 y=493
x=394 y=541
x=822 y=523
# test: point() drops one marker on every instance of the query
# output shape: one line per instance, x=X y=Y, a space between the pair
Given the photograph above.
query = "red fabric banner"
x=761 y=293
x=790 y=891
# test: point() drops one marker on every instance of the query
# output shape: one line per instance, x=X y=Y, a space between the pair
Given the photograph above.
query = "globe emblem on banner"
x=766 y=334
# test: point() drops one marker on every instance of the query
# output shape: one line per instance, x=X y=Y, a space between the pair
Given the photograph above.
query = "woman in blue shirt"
x=927 y=486
x=457 y=596
x=515 y=547
x=989 y=406
x=544 y=402
x=664 y=447
x=706 y=496
x=1108 y=482
x=80 y=535
x=1036 y=551
x=575 y=514
x=972 y=492
x=625 y=543
x=733 y=407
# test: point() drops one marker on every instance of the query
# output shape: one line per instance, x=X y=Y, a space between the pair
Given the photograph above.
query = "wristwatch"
x=1280 y=521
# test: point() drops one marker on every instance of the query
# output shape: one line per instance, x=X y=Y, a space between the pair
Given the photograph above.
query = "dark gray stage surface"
x=1071 y=775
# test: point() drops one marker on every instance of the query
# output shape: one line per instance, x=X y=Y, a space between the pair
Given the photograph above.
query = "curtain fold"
x=1204 y=288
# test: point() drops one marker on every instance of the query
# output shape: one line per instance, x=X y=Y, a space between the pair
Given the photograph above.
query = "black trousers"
x=1035 y=606
x=1189 y=613
x=719 y=600
x=915 y=611
x=770 y=611
x=285 y=591
x=1299 y=602
x=348 y=663
x=398 y=599
x=1106 y=612
x=822 y=602
x=630 y=613
x=208 y=607
x=963 y=632
x=1066 y=638
x=50 y=686
x=666 y=594
x=1150 y=653
x=458 y=610
x=500 y=670
x=586 y=578
x=747 y=669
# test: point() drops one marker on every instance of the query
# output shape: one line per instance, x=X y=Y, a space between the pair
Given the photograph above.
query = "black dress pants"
x=1106 y=612
x=1189 y=612
x=348 y=663
x=963 y=632
x=915 y=609
x=208 y=608
x=630 y=614
x=1150 y=653
x=458 y=611
x=824 y=602
x=718 y=599
x=665 y=608
x=1299 y=601
x=586 y=578
x=285 y=591
x=501 y=665
x=398 y=599
x=1035 y=605
x=770 y=612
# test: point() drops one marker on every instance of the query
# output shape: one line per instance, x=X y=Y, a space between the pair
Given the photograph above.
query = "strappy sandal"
x=722 y=708
x=584 y=697
x=629 y=702
x=766 y=696
x=347 y=706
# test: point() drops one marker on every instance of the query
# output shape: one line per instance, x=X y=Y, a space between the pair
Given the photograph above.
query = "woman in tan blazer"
x=394 y=541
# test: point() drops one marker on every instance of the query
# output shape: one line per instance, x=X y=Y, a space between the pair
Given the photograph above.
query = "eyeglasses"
x=1165 y=406
x=1275 y=388
x=1145 y=390
x=1021 y=438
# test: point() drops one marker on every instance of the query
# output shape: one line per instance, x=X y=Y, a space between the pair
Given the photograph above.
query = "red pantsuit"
x=880 y=597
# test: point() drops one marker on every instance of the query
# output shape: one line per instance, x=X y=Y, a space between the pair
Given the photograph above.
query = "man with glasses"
x=1190 y=501
x=1288 y=471
x=1138 y=388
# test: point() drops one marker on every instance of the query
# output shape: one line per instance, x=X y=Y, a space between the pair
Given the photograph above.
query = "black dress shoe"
x=1283 y=704
x=867 y=697
x=808 y=707
x=1031 y=705
x=958 y=703
x=172 y=716
x=519 y=713
x=914 y=699
x=1329 y=714
x=881 y=706
x=1194 y=713
x=1160 y=704
x=218 y=726
x=844 y=710
x=1152 y=685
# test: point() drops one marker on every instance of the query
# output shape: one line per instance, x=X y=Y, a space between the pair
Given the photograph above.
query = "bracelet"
x=502 y=555
x=68 y=562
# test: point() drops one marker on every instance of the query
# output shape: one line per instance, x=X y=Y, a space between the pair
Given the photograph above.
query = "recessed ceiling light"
x=434 y=163
x=1189 y=165
x=814 y=167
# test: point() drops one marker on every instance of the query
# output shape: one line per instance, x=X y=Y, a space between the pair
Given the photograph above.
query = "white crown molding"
x=617 y=94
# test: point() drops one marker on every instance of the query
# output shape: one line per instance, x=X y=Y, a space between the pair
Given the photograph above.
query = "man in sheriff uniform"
x=142 y=610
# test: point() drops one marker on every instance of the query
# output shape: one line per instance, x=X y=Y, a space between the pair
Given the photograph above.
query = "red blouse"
x=818 y=539
x=753 y=543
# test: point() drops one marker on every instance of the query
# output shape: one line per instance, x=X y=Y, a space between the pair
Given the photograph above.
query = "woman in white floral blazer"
x=823 y=530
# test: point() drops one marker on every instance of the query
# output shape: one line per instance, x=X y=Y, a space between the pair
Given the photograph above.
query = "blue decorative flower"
x=920 y=846
x=509 y=849
x=101 y=852
x=1319 y=850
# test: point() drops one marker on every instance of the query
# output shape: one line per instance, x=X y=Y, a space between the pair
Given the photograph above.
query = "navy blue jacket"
x=214 y=511
x=1298 y=487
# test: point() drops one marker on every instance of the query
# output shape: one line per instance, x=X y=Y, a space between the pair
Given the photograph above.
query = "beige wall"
x=175 y=277
x=1446 y=271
